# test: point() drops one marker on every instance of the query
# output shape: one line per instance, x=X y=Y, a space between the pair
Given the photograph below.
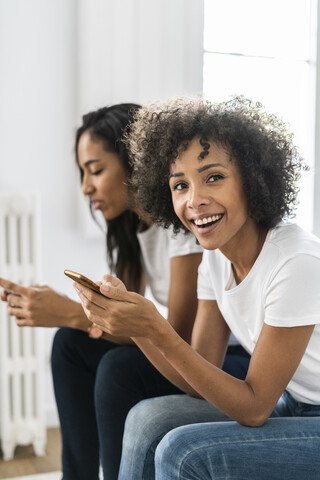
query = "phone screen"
x=78 y=277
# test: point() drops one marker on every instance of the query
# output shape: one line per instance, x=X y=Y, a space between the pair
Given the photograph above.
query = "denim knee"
x=282 y=448
x=141 y=436
x=145 y=424
x=140 y=423
x=174 y=458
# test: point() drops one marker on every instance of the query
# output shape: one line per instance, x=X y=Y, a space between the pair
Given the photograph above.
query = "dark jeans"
x=96 y=383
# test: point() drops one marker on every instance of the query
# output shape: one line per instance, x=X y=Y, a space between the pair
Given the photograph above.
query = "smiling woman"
x=270 y=183
x=229 y=173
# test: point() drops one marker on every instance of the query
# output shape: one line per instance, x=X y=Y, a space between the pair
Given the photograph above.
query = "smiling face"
x=208 y=197
x=104 y=177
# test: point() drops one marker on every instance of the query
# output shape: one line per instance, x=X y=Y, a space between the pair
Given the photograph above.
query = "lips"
x=97 y=204
x=206 y=221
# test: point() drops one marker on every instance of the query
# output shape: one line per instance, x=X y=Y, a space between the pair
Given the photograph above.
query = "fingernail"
x=105 y=288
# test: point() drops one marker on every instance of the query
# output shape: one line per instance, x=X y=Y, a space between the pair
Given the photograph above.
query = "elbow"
x=254 y=419
x=254 y=423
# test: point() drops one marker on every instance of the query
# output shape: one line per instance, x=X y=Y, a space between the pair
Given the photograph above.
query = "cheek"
x=178 y=206
x=114 y=182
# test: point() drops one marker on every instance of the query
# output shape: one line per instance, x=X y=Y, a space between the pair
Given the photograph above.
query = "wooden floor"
x=26 y=463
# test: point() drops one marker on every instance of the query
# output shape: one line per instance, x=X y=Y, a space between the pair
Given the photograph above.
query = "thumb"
x=116 y=293
x=113 y=281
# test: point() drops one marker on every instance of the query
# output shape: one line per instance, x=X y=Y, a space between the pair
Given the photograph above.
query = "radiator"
x=22 y=360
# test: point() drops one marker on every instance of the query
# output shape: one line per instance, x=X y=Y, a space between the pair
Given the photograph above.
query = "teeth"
x=203 y=221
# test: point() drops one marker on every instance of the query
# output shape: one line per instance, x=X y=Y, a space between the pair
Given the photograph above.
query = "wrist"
x=76 y=318
x=164 y=337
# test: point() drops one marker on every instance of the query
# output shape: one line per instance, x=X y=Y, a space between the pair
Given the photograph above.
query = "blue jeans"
x=96 y=383
x=183 y=438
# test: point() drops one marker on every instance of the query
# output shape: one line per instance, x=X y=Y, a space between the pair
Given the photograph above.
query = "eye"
x=97 y=172
x=214 y=177
x=180 y=186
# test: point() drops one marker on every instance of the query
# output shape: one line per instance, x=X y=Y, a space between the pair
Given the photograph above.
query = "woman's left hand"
x=119 y=312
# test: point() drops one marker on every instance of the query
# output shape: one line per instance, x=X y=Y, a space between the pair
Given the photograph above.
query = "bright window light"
x=263 y=50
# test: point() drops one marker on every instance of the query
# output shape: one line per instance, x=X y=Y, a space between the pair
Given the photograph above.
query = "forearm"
x=120 y=340
x=163 y=365
x=74 y=317
x=234 y=397
x=127 y=313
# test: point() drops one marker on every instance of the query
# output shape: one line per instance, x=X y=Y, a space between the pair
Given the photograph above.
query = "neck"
x=144 y=217
x=248 y=248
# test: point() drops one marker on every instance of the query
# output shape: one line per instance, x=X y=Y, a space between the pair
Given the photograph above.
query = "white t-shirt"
x=158 y=246
x=282 y=289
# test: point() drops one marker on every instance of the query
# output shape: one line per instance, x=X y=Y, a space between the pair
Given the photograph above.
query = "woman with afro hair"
x=228 y=173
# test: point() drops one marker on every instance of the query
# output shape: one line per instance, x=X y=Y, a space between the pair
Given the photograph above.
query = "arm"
x=213 y=347
x=250 y=401
x=42 y=306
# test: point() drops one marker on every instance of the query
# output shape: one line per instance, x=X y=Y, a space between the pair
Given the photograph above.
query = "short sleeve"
x=293 y=294
x=182 y=244
x=205 y=286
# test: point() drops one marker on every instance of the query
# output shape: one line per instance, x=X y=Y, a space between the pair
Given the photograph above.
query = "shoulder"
x=292 y=258
x=291 y=240
x=291 y=250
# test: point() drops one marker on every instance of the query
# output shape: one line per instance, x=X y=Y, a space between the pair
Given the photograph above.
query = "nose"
x=87 y=187
x=197 y=198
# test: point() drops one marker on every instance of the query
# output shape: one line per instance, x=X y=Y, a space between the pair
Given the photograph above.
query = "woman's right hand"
x=121 y=313
x=41 y=306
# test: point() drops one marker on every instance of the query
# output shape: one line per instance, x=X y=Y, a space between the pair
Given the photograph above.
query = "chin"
x=111 y=216
x=206 y=243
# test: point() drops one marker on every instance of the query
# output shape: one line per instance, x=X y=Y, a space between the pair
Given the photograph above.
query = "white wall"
x=316 y=215
x=60 y=59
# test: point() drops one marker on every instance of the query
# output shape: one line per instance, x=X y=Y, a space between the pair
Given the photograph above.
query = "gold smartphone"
x=78 y=277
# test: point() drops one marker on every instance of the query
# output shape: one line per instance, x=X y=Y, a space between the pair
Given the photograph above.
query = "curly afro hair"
x=258 y=142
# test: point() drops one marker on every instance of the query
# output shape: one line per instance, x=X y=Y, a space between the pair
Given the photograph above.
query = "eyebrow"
x=88 y=162
x=201 y=169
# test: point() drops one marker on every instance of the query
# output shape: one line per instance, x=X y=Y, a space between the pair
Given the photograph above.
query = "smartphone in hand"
x=78 y=277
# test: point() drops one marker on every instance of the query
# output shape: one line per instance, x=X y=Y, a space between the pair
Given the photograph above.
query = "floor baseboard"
x=40 y=476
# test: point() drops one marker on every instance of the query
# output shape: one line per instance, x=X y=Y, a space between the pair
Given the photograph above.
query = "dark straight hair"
x=108 y=124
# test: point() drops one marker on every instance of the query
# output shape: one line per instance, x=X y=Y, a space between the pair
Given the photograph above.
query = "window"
x=265 y=50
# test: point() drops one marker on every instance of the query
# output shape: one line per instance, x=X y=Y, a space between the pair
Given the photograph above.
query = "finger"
x=15 y=311
x=3 y=295
x=21 y=322
x=114 y=282
x=107 y=278
x=93 y=316
x=14 y=300
x=116 y=294
x=88 y=298
x=12 y=287
x=95 y=325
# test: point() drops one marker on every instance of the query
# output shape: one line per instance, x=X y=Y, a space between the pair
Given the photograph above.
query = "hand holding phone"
x=78 y=277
